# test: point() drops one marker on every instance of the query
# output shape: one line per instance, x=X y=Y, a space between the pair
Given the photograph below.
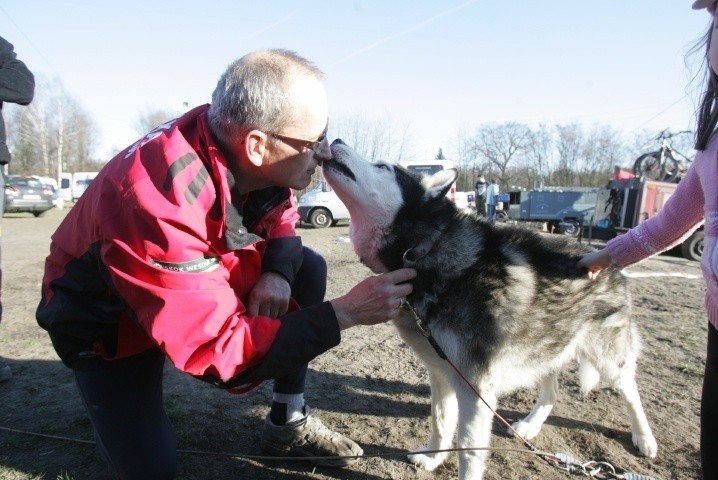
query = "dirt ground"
x=370 y=388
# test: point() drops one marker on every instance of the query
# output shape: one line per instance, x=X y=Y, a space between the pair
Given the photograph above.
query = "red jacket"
x=161 y=250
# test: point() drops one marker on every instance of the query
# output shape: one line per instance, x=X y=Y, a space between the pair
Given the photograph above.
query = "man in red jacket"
x=184 y=247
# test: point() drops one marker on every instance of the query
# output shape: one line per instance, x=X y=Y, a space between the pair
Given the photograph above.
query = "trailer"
x=560 y=209
x=623 y=204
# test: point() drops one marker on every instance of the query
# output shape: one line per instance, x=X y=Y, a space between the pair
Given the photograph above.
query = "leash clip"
x=406 y=306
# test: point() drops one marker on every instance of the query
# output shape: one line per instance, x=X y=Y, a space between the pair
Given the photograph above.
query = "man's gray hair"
x=255 y=92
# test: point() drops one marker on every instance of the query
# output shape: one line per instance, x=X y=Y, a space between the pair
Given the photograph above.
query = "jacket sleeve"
x=17 y=83
x=681 y=215
x=304 y=335
x=283 y=256
x=283 y=253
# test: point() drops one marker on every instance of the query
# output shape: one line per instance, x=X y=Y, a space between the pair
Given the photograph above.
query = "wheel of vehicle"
x=501 y=216
x=670 y=168
x=570 y=227
x=649 y=166
x=692 y=247
x=320 y=218
x=38 y=214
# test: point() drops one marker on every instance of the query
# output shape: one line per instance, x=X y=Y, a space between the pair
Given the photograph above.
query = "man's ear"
x=255 y=146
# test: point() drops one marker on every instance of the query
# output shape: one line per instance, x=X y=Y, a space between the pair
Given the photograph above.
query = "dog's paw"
x=527 y=430
x=427 y=461
x=646 y=445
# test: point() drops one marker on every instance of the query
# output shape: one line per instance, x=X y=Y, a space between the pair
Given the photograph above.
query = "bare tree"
x=538 y=157
x=601 y=151
x=28 y=138
x=469 y=164
x=52 y=134
x=499 y=144
x=569 y=147
x=151 y=117
x=376 y=138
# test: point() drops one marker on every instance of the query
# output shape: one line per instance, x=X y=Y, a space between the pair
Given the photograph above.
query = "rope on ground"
x=263 y=457
x=562 y=461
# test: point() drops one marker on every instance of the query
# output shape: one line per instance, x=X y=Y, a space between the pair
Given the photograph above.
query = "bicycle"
x=665 y=164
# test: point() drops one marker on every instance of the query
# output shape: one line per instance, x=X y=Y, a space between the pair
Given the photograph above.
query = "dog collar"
x=419 y=251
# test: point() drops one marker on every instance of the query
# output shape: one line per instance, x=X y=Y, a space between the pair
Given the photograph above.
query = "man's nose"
x=324 y=153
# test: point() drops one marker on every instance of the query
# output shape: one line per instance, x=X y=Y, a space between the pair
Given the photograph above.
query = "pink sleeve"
x=680 y=217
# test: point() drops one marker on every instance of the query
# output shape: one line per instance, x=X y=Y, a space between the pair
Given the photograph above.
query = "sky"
x=436 y=68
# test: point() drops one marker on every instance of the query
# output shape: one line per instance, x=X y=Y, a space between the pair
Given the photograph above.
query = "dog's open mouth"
x=333 y=164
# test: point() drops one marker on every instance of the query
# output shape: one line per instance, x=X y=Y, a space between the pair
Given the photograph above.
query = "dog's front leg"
x=475 y=420
x=444 y=414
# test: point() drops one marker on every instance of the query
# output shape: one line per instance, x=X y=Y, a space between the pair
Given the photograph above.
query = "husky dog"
x=506 y=304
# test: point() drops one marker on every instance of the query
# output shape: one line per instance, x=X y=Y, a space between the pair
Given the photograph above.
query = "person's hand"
x=269 y=296
x=594 y=262
x=374 y=300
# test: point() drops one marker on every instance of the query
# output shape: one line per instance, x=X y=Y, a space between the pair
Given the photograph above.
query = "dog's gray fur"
x=507 y=305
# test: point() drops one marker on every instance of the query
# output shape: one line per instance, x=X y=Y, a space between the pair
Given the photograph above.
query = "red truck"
x=623 y=204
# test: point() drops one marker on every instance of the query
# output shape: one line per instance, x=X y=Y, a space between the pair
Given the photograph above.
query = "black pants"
x=480 y=205
x=709 y=409
x=124 y=400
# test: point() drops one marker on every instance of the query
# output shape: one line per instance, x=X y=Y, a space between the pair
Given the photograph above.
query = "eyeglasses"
x=300 y=143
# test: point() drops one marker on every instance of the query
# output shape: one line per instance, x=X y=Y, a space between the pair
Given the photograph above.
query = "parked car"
x=27 y=194
x=51 y=183
x=320 y=207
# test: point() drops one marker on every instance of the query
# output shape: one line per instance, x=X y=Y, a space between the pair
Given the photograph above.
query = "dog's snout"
x=338 y=141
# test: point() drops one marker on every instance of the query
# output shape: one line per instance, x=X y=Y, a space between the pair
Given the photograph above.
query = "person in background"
x=492 y=193
x=694 y=201
x=480 y=191
x=17 y=85
x=183 y=247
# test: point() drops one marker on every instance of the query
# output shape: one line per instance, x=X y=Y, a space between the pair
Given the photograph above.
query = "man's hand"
x=595 y=262
x=374 y=299
x=270 y=296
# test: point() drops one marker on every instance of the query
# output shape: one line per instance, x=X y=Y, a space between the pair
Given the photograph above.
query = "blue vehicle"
x=564 y=209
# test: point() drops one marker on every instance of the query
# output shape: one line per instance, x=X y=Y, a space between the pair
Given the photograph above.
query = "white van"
x=80 y=182
x=66 y=187
x=430 y=167
x=320 y=207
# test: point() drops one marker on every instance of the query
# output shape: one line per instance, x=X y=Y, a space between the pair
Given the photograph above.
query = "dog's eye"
x=382 y=166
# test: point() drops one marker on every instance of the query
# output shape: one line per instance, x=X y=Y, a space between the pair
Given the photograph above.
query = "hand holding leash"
x=374 y=300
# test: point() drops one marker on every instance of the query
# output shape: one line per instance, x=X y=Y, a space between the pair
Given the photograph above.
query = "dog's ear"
x=439 y=183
